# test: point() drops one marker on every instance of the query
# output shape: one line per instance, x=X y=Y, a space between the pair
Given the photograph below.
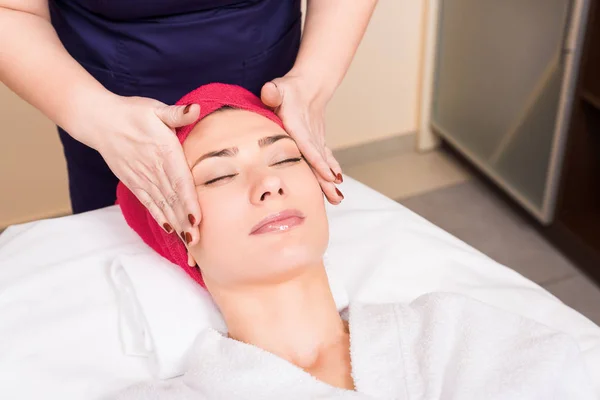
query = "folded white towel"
x=161 y=310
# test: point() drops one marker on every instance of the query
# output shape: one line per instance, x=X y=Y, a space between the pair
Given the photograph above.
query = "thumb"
x=271 y=95
x=178 y=116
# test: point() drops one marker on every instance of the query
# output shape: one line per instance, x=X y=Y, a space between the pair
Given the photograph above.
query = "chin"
x=298 y=257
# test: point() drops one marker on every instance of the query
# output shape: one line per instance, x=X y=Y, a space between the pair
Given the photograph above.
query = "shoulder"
x=444 y=337
x=451 y=316
x=440 y=308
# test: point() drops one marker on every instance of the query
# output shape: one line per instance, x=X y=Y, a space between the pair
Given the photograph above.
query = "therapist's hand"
x=303 y=116
x=136 y=137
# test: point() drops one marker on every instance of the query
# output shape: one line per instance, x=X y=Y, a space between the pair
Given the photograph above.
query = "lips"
x=279 y=222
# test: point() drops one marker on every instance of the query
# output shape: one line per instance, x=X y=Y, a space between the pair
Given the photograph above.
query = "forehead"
x=231 y=128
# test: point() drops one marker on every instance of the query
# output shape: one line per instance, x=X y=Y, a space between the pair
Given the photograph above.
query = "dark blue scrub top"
x=165 y=48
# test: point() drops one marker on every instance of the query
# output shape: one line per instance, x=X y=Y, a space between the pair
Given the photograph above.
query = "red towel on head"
x=210 y=98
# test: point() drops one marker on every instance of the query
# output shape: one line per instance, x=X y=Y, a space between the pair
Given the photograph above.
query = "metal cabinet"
x=503 y=79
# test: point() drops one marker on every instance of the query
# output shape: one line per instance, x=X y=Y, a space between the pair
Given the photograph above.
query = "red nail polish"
x=167 y=227
x=192 y=219
x=339 y=193
x=340 y=178
x=182 y=234
x=188 y=237
x=187 y=109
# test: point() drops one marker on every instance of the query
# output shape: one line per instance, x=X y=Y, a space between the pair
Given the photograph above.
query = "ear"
x=191 y=260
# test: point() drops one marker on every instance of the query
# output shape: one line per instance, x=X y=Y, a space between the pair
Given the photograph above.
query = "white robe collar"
x=217 y=361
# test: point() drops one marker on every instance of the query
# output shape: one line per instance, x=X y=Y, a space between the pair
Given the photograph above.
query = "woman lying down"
x=263 y=234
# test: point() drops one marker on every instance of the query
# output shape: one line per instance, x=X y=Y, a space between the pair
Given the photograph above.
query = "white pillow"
x=162 y=310
x=58 y=314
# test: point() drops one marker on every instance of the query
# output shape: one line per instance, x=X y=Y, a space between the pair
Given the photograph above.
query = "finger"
x=334 y=166
x=166 y=200
x=155 y=184
x=181 y=183
x=312 y=152
x=270 y=95
x=188 y=229
x=331 y=192
x=160 y=218
x=317 y=162
x=178 y=116
x=191 y=260
x=187 y=207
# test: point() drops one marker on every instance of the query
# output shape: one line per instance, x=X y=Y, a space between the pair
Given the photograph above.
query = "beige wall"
x=380 y=94
x=378 y=99
x=33 y=178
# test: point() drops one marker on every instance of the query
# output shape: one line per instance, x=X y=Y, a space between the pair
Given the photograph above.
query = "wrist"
x=314 y=82
x=87 y=112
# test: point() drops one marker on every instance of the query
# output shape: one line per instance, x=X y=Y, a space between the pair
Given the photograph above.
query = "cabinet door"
x=501 y=76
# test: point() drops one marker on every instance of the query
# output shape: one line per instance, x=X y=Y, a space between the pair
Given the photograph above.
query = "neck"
x=296 y=319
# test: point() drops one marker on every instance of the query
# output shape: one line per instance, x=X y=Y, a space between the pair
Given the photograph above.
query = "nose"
x=268 y=188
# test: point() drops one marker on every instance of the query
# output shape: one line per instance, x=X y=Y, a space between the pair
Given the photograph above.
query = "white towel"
x=161 y=310
x=440 y=346
x=450 y=346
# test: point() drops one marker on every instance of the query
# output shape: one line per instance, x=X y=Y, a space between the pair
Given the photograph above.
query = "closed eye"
x=290 y=161
x=283 y=162
x=215 y=180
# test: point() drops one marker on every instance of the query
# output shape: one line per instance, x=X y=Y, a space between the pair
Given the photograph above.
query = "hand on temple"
x=304 y=119
x=137 y=140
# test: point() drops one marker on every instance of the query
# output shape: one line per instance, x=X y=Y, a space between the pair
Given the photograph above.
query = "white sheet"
x=58 y=312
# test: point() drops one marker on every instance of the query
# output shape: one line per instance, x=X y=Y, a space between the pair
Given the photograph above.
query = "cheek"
x=222 y=217
x=307 y=186
x=304 y=176
x=311 y=197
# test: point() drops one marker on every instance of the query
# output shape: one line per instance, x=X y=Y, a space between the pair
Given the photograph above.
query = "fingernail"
x=167 y=227
x=340 y=178
x=188 y=237
x=182 y=234
x=192 y=219
x=190 y=262
x=187 y=109
x=339 y=193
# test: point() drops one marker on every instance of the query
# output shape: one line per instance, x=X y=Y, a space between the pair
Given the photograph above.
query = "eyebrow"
x=266 y=141
x=232 y=151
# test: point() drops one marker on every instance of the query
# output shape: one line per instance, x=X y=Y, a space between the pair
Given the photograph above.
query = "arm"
x=332 y=32
x=133 y=135
x=36 y=66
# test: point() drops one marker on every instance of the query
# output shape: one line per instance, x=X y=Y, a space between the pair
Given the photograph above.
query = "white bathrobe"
x=440 y=346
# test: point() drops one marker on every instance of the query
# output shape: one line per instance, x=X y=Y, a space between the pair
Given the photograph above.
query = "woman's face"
x=263 y=212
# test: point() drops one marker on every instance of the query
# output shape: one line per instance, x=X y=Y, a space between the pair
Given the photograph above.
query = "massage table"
x=60 y=327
